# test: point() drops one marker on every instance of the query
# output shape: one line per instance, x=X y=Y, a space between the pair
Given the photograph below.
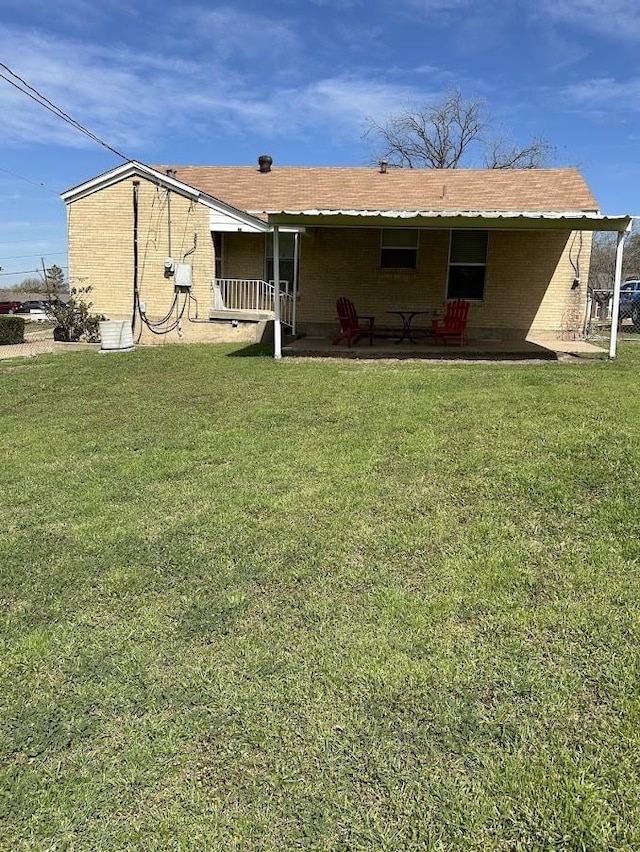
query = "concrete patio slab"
x=542 y=349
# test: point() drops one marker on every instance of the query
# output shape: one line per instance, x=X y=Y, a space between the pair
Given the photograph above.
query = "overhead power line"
x=27 y=89
x=29 y=271
x=31 y=240
x=38 y=184
x=22 y=177
x=23 y=256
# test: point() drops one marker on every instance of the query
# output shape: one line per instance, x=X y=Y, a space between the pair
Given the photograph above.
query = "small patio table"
x=407 y=319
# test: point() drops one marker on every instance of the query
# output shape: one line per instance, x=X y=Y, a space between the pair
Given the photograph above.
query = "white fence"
x=252 y=295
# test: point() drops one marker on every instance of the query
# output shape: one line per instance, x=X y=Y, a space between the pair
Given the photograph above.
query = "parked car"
x=12 y=307
x=33 y=305
x=630 y=301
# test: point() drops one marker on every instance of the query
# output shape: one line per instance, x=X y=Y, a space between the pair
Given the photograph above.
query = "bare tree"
x=445 y=135
x=50 y=282
x=603 y=259
x=602 y=266
x=502 y=154
x=30 y=284
x=631 y=258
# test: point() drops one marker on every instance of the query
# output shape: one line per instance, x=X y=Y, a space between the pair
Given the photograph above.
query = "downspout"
x=277 y=328
x=171 y=173
x=136 y=187
x=615 y=314
x=69 y=272
x=169 y=220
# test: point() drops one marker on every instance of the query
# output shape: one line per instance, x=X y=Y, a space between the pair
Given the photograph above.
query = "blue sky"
x=212 y=82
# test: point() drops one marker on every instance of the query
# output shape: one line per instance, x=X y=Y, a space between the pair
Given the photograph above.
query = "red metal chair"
x=352 y=327
x=454 y=324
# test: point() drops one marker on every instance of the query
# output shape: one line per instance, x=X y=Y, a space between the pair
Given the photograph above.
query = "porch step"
x=241 y=316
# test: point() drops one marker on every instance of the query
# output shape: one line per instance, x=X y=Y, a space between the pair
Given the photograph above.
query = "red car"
x=10 y=307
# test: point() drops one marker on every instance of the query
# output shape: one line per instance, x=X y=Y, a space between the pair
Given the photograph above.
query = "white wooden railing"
x=252 y=295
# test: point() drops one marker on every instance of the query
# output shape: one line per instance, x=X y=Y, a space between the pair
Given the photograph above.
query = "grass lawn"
x=319 y=605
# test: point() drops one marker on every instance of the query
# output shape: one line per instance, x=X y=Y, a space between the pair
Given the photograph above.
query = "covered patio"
x=527 y=348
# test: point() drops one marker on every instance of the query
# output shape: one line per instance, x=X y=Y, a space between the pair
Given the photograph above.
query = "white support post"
x=277 y=326
x=615 y=313
x=296 y=262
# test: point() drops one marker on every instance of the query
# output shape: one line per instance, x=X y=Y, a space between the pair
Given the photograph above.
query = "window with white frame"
x=467 y=265
x=399 y=248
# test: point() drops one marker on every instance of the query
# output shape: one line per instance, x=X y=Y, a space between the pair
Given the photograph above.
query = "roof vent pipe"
x=264 y=163
x=383 y=166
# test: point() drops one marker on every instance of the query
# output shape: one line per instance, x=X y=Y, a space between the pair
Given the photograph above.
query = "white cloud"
x=350 y=100
x=338 y=4
x=604 y=95
x=75 y=15
x=612 y=18
x=338 y=106
x=436 y=7
x=123 y=96
x=229 y=31
x=200 y=64
x=617 y=18
x=130 y=98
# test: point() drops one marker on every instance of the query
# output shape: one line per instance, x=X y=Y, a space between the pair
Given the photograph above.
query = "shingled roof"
x=298 y=189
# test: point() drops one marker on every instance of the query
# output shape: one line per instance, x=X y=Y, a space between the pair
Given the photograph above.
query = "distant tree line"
x=51 y=282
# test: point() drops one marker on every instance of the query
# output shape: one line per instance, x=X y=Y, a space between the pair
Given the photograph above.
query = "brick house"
x=188 y=251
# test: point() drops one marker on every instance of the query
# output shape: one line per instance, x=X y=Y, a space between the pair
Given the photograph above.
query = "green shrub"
x=74 y=321
x=11 y=330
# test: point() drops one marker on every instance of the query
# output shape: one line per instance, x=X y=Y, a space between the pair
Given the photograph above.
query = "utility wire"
x=21 y=177
x=23 y=256
x=30 y=240
x=39 y=98
x=28 y=271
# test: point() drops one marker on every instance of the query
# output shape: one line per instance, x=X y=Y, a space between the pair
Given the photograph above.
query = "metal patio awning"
x=503 y=220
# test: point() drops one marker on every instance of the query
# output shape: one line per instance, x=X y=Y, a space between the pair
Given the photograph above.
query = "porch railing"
x=252 y=295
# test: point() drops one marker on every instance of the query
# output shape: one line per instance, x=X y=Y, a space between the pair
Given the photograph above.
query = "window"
x=217 y=250
x=287 y=257
x=467 y=264
x=399 y=248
